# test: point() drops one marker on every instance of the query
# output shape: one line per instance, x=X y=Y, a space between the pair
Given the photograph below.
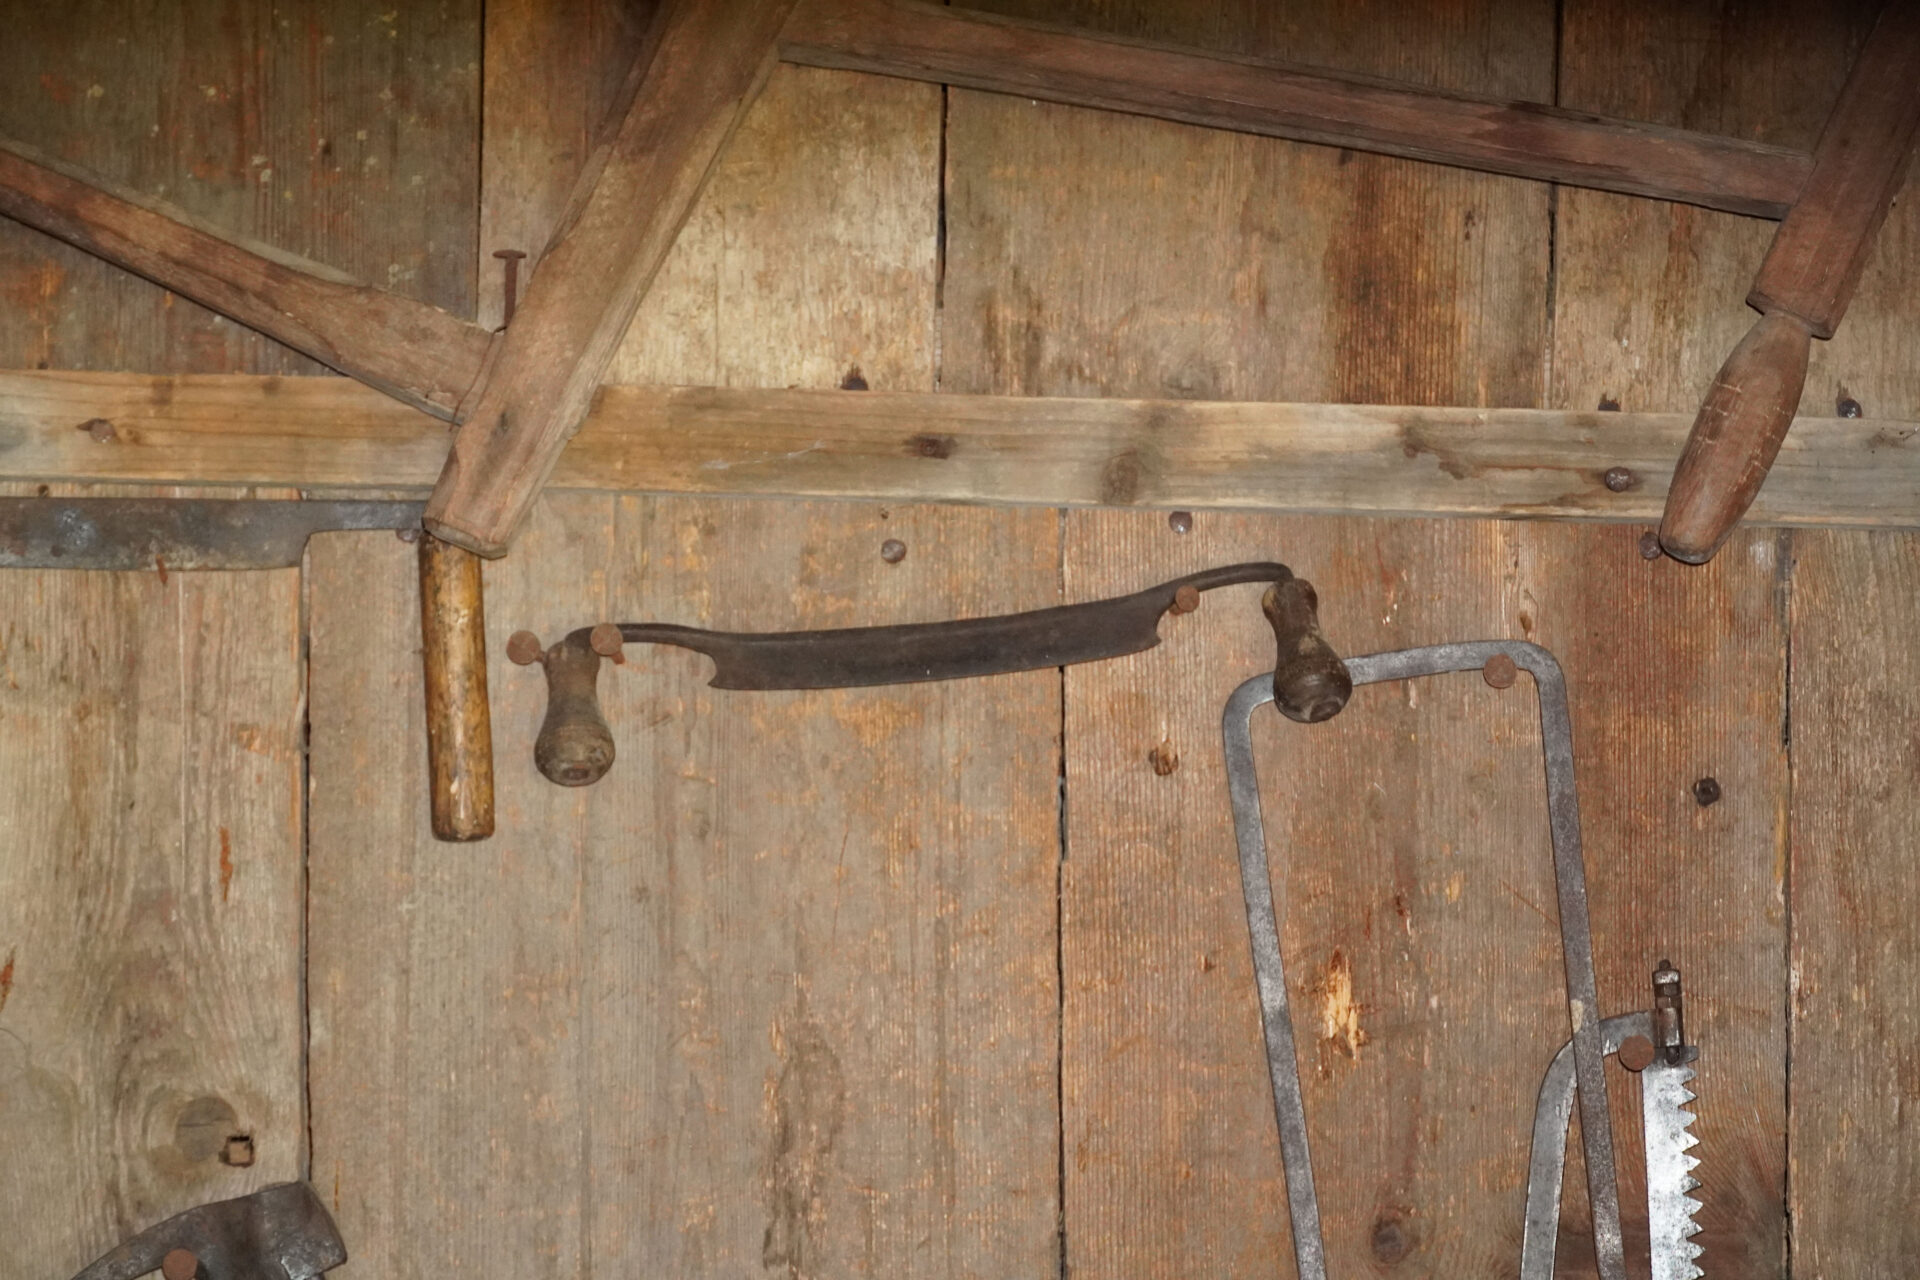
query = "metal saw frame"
x=1569 y=868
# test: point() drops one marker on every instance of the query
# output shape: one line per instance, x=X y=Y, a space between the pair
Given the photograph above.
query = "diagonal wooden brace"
x=1802 y=290
x=628 y=206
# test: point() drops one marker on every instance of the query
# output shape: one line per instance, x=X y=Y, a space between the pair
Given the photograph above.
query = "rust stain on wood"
x=6 y=979
x=226 y=863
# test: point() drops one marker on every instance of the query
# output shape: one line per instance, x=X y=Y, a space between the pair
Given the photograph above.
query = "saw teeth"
x=1677 y=1141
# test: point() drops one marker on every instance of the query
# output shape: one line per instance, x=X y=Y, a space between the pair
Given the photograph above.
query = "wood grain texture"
x=1648 y=303
x=1519 y=138
x=1248 y=260
x=735 y=1006
x=630 y=201
x=344 y=134
x=778 y=994
x=1854 y=823
x=1094 y=254
x=911 y=446
x=1648 y=297
x=1859 y=164
x=151 y=875
x=1418 y=898
x=535 y=139
x=416 y=353
x=150 y=747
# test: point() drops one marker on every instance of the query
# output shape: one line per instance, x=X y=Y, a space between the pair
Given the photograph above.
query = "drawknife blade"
x=1664 y=1099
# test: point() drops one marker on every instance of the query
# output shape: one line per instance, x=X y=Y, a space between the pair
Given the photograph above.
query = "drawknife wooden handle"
x=1310 y=682
x=453 y=651
x=1736 y=436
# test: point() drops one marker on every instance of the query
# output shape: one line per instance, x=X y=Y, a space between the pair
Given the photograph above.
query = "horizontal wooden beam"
x=418 y=353
x=922 y=41
x=330 y=433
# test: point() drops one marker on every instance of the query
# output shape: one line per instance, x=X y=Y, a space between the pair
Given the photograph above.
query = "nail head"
x=1164 y=758
x=179 y=1264
x=606 y=640
x=1706 y=792
x=524 y=648
x=893 y=551
x=1636 y=1053
x=1186 y=599
x=1619 y=479
x=1500 y=672
x=1180 y=521
x=1847 y=407
x=1650 y=546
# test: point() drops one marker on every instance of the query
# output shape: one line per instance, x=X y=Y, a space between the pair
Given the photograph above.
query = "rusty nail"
x=1636 y=1053
x=1619 y=479
x=893 y=551
x=99 y=430
x=1847 y=407
x=1186 y=599
x=1609 y=405
x=606 y=640
x=1164 y=758
x=238 y=1151
x=1500 y=673
x=180 y=1264
x=511 y=258
x=1706 y=792
x=524 y=648
x=1180 y=521
x=1650 y=546
x=409 y=536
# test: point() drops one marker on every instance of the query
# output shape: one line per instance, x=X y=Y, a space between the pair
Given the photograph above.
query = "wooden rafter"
x=923 y=41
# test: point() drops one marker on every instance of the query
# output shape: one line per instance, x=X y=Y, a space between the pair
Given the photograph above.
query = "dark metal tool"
x=236 y=533
x=281 y=1232
x=1563 y=810
x=178 y=533
x=1309 y=682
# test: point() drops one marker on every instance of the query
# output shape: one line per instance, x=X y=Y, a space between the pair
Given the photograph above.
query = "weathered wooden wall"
x=950 y=980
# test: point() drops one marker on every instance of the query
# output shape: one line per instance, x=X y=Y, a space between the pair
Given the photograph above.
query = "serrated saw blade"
x=1664 y=1099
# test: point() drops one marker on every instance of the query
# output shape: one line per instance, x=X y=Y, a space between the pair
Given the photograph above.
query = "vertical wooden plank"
x=1434 y=1176
x=1216 y=266
x=1649 y=301
x=1855 y=1043
x=151 y=877
x=778 y=994
x=1261 y=269
x=149 y=900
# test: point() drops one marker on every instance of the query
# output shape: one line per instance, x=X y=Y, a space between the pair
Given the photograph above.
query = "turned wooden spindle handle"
x=1310 y=682
x=453 y=650
x=575 y=747
x=1736 y=437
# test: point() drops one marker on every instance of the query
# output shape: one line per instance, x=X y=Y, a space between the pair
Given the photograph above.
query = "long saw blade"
x=1664 y=1099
